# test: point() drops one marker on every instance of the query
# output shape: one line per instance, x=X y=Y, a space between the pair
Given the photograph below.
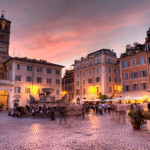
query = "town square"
x=74 y=75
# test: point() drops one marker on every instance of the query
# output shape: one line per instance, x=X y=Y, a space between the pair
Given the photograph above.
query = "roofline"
x=47 y=63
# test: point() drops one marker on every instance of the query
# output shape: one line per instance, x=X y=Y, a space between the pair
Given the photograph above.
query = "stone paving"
x=92 y=133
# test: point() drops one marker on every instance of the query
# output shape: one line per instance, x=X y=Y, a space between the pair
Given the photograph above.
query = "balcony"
x=6 y=82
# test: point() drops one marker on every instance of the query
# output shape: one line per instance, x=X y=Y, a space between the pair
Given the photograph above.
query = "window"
x=97 y=79
x=57 y=71
x=49 y=81
x=126 y=88
x=84 y=91
x=83 y=73
x=83 y=82
x=133 y=62
x=108 y=60
x=78 y=75
x=110 y=89
x=141 y=60
x=77 y=92
x=39 y=69
x=125 y=64
x=17 y=89
x=29 y=79
x=90 y=63
x=18 y=66
x=97 y=70
x=115 y=70
x=57 y=81
x=109 y=69
x=27 y=90
x=77 y=82
x=90 y=72
x=97 y=61
x=115 y=79
x=126 y=75
x=48 y=71
x=134 y=75
x=143 y=86
x=90 y=80
x=57 y=92
x=29 y=68
x=78 y=66
x=134 y=87
x=39 y=80
x=109 y=79
x=143 y=73
x=18 y=78
x=84 y=65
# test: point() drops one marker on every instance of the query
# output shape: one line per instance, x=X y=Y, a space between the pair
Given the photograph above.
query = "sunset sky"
x=61 y=31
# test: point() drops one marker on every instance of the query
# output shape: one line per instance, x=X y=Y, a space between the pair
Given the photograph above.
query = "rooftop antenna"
x=2 y=14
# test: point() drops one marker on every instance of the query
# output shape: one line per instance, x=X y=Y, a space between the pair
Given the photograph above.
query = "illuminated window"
x=27 y=90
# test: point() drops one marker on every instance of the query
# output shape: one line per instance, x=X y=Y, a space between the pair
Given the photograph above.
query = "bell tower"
x=4 y=37
x=4 y=43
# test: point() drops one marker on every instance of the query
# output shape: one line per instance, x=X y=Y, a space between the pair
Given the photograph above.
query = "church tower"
x=4 y=38
x=4 y=43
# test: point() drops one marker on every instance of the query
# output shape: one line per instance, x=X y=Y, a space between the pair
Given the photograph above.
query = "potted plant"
x=137 y=118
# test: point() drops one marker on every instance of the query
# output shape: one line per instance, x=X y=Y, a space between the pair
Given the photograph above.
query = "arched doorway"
x=3 y=100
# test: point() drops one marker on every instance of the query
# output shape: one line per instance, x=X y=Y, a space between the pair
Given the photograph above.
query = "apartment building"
x=98 y=72
x=68 y=84
x=134 y=68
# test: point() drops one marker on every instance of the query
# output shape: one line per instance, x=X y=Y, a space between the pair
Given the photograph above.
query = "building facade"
x=135 y=69
x=96 y=73
x=21 y=77
x=68 y=85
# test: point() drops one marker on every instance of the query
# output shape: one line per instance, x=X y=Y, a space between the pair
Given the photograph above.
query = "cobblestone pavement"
x=92 y=133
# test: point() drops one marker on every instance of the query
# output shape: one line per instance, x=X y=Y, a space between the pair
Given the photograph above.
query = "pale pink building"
x=96 y=73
